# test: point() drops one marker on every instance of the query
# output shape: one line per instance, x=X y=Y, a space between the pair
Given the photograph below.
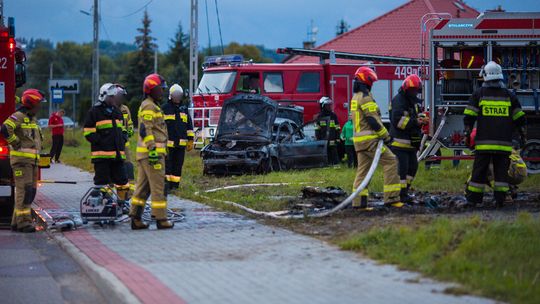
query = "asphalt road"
x=34 y=269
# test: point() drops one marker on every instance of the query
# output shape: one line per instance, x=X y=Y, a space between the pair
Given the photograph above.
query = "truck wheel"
x=532 y=149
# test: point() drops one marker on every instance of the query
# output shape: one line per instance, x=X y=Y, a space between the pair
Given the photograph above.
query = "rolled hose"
x=345 y=203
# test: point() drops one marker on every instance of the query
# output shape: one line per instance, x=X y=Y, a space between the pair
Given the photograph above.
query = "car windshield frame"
x=218 y=82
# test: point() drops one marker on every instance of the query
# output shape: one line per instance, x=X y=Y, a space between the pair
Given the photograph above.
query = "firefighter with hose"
x=497 y=113
x=151 y=152
x=24 y=136
x=368 y=129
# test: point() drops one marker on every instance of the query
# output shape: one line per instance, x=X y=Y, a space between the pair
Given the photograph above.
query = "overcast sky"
x=276 y=23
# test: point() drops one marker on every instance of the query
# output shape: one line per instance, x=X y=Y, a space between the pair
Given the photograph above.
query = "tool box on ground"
x=101 y=204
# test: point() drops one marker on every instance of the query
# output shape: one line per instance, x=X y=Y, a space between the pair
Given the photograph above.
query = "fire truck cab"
x=458 y=50
x=288 y=84
x=12 y=76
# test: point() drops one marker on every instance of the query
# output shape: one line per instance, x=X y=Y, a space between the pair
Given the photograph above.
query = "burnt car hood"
x=247 y=117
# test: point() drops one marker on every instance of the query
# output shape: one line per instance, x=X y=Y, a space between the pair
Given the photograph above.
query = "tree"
x=142 y=61
x=249 y=51
x=176 y=62
x=342 y=27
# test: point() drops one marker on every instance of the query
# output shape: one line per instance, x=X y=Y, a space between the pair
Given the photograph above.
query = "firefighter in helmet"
x=151 y=151
x=368 y=129
x=497 y=113
x=328 y=128
x=104 y=129
x=406 y=131
x=24 y=136
x=180 y=131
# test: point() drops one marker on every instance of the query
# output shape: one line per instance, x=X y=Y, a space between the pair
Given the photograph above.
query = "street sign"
x=57 y=95
x=70 y=86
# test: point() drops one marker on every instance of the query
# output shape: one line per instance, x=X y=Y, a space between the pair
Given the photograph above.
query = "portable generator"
x=101 y=204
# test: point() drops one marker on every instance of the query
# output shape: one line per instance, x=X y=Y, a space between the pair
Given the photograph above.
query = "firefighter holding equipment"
x=497 y=113
x=24 y=136
x=180 y=131
x=328 y=128
x=104 y=129
x=368 y=130
x=151 y=152
x=406 y=131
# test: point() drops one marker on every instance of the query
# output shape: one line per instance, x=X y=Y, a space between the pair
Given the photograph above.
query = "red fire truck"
x=294 y=84
x=459 y=48
x=12 y=76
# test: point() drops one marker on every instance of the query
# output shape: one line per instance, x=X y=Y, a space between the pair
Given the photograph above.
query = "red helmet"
x=412 y=81
x=151 y=81
x=32 y=97
x=366 y=75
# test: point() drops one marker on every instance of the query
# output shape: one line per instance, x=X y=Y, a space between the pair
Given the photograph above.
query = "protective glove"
x=130 y=132
x=388 y=140
x=153 y=157
x=189 y=146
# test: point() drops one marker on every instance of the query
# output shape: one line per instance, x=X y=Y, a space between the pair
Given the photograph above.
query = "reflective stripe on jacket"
x=152 y=129
x=23 y=134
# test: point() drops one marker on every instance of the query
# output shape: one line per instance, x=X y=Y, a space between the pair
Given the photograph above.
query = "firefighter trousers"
x=173 y=166
x=333 y=157
x=407 y=168
x=150 y=182
x=25 y=176
x=480 y=173
x=388 y=160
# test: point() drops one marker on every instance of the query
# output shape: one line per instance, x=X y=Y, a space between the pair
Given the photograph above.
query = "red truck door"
x=340 y=92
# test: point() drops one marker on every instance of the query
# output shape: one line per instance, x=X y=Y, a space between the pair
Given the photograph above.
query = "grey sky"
x=275 y=23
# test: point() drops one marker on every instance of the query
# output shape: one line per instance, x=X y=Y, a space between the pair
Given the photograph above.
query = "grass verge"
x=498 y=259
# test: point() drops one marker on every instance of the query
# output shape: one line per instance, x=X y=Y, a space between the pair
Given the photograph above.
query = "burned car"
x=256 y=135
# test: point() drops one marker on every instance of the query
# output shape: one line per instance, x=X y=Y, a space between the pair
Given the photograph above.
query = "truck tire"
x=532 y=149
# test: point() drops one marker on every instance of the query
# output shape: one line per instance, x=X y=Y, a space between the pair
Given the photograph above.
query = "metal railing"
x=205 y=121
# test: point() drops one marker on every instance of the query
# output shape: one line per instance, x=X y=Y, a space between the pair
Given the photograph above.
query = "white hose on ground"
x=345 y=203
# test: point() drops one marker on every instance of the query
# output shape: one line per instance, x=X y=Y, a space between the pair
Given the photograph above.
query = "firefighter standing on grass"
x=406 y=132
x=128 y=125
x=151 y=151
x=180 y=131
x=24 y=136
x=328 y=128
x=104 y=129
x=497 y=113
x=368 y=130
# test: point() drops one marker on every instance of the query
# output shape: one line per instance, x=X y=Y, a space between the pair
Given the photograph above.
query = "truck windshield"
x=216 y=82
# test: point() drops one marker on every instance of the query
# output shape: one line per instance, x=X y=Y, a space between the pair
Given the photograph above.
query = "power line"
x=219 y=27
x=132 y=13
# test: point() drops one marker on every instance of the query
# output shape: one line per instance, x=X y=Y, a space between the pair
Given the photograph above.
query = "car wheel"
x=265 y=167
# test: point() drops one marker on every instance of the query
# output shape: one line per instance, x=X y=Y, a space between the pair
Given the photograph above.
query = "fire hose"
x=340 y=206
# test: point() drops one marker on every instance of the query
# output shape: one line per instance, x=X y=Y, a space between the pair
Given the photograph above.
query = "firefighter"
x=180 y=131
x=104 y=129
x=406 y=132
x=151 y=151
x=128 y=126
x=328 y=128
x=497 y=113
x=368 y=130
x=24 y=136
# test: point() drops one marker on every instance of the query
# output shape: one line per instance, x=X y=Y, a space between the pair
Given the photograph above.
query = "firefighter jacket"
x=128 y=122
x=327 y=126
x=179 y=125
x=404 y=128
x=496 y=112
x=24 y=136
x=152 y=129
x=104 y=129
x=367 y=124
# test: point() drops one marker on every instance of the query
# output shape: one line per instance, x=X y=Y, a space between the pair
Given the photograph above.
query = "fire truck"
x=458 y=49
x=300 y=85
x=12 y=76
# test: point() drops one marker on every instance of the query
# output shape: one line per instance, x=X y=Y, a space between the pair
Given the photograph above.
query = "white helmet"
x=110 y=89
x=325 y=101
x=177 y=90
x=492 y=71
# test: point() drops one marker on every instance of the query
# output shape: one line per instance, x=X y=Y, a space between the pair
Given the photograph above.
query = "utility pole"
x=1 y=12
x=193 y=48
x=155 y=60
x=51 y=65
x=95 y=55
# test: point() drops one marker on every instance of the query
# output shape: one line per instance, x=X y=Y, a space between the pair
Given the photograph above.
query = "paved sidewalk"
x=216 y=257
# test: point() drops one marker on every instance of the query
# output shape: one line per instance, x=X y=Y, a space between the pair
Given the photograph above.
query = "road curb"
x=108 y=284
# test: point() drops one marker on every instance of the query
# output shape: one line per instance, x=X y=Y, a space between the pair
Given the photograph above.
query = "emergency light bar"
x=222 y=60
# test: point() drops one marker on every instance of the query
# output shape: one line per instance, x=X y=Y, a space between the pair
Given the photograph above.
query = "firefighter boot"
x=164 y=224
x=136 y=218
x=161 y=218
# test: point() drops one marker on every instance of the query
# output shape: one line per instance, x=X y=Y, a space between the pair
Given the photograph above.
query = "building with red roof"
x=396 y=33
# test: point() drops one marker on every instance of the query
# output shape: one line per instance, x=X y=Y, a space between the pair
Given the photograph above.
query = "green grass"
x=447 y=178
x=499 y=259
